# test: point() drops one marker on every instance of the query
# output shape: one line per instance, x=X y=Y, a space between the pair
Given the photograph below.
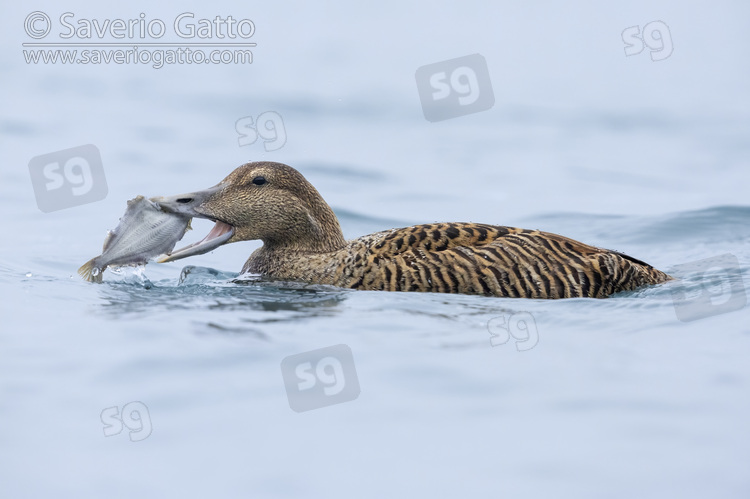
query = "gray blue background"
x=619 y=398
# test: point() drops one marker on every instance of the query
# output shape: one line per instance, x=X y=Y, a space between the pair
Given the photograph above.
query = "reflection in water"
x=203 y=290
x=213 y=327
x=210 y=302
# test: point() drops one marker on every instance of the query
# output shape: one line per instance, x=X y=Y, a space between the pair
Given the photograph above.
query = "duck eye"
x=259 y=180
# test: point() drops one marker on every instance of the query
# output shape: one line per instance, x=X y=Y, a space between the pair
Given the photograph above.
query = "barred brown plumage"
x=302 y=241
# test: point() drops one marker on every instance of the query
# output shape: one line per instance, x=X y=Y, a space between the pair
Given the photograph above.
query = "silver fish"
x=144 y=232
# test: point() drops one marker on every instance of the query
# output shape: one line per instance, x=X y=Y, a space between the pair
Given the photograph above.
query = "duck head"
x=269 y=201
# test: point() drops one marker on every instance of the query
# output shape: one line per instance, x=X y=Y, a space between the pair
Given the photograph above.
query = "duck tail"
x=649 y=274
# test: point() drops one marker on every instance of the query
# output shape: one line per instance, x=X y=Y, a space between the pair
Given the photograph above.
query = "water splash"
x=132 y=274
x=192 y=275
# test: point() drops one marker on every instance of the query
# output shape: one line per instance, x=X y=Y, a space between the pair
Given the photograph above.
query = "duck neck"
x=318 y=231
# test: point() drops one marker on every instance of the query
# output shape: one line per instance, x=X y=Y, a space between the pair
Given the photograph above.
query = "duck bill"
x=191 y=205
x=220 y=234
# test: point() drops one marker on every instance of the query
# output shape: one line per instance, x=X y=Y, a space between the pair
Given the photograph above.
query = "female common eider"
x=302 y=241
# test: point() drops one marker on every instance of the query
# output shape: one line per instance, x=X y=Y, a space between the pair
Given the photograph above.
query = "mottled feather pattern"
x=467 y=258
x=302 y=241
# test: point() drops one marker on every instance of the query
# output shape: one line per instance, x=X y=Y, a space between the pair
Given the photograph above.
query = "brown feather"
x=302 y=241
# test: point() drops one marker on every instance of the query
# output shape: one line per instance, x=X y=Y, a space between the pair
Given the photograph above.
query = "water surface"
x=615 y=398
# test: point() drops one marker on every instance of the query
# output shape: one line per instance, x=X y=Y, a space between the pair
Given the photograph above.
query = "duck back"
x=468 y=258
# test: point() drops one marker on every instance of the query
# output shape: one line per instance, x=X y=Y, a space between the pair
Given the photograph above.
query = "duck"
x=302 y=241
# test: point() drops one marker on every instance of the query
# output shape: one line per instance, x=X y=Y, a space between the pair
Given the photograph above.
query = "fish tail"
x=87 y=271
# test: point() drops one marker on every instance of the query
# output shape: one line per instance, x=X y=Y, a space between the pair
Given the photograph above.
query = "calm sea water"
x=169 y=381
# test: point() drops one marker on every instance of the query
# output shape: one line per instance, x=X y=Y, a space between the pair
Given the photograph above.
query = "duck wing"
x=489 y=260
